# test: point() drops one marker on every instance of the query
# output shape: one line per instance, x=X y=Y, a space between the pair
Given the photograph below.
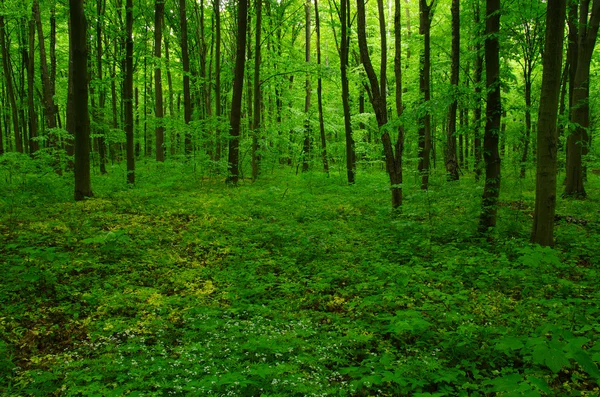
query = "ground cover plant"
x=291 y=286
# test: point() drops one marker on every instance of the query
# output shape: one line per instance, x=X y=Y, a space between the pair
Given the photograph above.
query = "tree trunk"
x=159 y=9
x=78 y=41
x=451 y=161
x=128 y=92
x=238 y=87
x=173 y=133
x=306 y=145
x=185 y=59
x=547 y=137
x=33 y=122
x=425 y=88
x=100 y=8
x=377 y=95
x=257 y=95
x=49 y=107
x=493 y=114
x=9 y=85
x=320 y=91
x=218 y=111
x=580 y=110
x=344 y=52
x=477 y=152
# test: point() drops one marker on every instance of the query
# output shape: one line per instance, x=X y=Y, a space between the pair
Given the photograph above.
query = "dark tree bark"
x=425 y=10
x=344 y=58
x=257 y=95
x=173 y=133
x=395 y=166
x=100 y=8
x=33 y=122
x=578 y=140
x=78 y=41
x=218 y=111
x=49 y=106
x=376 y=91
x=10 y=92
x=159 y=9
x=320 y=91
x=547 y=138
x=238 y=87
x=493 y=114
x=451 y=161
x=128 y=92
x=307 y=131
x=185 y=59
x=478 y=73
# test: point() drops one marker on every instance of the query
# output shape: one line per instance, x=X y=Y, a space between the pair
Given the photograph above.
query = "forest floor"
x=291 y=286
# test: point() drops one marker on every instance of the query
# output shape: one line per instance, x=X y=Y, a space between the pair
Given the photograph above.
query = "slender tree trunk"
x=218 y=111
x=238 y=87
x=580 y=111
x=477 y=149
x=344 y=57
x=128 y=92
x=493 y=112
x=547 y=137
x=377 y=94
x=9 y=85
x=185 y=59
x=307 y=131
x=172 y=135
x=257 y=95
x=100 y=8
x=49 y=107
x=320 y=91
x=451 y=161
x=33 y=122
x=78 y=41
x=425 y=88
x=159 y=9
x=527 y=74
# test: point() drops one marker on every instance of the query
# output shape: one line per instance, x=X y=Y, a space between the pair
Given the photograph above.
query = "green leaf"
x=509 y=343
x=586 y=362
x=553 y=358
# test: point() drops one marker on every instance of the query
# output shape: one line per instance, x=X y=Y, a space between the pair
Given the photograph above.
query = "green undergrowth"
x=291 y=286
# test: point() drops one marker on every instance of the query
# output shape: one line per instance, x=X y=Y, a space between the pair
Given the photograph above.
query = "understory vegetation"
x=296 y=285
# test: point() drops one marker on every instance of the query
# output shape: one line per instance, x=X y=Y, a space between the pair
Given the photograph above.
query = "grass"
x=292 y=286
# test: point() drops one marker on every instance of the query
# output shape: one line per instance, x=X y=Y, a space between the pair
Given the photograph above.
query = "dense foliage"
x=292 y=286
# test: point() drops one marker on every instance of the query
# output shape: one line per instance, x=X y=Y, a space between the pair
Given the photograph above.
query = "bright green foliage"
x=292 y=286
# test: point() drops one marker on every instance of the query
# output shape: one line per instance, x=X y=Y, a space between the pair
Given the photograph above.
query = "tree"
x=257 y=94
x=100 y=10
x=493 y=112
x=10 y=92
x=185 y=60
x=320 y=91
x=451 y=161
x=547 y=137
x=344 y=52
x=33 y=122
x=78 y=41
x=478 y=73
x=376 y=90
x=159 y=9
x=238 y=86
x=306 y=144
x=128 y=92
x=425 y=10
x=577 y=141
x=49 y=106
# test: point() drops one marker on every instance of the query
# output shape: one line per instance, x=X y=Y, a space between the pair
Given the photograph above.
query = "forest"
x=299 y=198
